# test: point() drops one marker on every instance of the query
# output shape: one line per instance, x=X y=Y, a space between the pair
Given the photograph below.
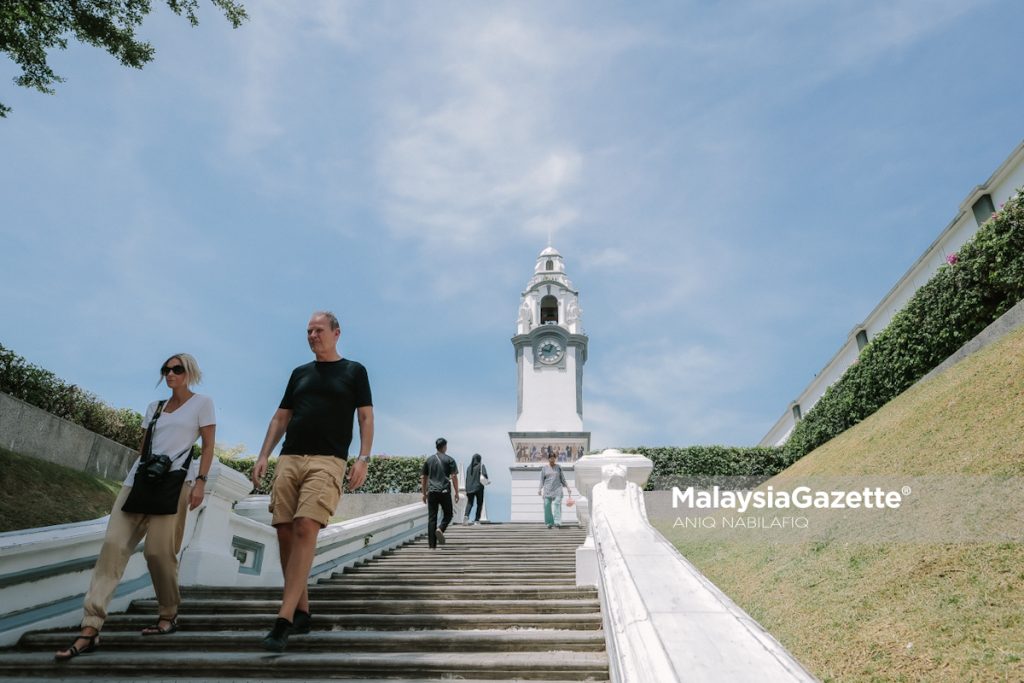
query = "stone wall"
x=354 y=505
x=36 y=433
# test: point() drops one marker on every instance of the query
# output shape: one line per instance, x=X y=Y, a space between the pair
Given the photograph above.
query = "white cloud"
x=608 y=257
x=668 y=389
x=469 y=154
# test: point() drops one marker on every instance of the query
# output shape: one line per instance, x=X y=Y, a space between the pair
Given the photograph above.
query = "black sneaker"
x=277 y=639
x=302 y=624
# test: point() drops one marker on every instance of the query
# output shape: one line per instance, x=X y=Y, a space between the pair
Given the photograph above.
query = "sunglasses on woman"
x=176 y=369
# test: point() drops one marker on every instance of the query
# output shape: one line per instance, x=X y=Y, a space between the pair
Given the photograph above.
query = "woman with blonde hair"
x=163 y=485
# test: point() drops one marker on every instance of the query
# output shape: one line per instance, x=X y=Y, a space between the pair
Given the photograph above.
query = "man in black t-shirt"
x=315 y=416
x=439 y=475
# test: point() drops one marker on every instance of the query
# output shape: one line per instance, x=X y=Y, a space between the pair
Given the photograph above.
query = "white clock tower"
x=551 y=349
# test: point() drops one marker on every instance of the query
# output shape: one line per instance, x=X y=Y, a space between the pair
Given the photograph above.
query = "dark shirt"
x=323 y=397
x=473 y=477
x=438 y=468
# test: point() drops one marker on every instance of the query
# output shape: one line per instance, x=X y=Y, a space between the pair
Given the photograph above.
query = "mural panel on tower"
x=537 y=450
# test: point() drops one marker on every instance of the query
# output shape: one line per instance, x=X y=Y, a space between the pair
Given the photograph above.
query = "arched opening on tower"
x=549 y=310
x=550 y=265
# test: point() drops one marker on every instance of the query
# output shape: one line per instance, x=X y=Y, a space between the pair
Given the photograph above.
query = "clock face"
x=549 y=351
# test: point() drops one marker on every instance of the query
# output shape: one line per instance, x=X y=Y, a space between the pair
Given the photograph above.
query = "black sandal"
x=158 y=630
x=73 y=651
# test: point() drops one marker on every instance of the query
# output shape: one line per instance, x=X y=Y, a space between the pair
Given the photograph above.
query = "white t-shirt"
x=175 y=433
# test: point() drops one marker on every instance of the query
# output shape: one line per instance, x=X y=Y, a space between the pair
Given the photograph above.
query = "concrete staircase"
x=497 y=602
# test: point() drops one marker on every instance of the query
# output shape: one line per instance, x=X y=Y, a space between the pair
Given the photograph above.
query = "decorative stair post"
x=207 y=559
x=588 y=474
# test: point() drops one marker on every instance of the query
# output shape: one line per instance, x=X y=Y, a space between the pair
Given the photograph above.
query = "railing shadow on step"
x=45 y=572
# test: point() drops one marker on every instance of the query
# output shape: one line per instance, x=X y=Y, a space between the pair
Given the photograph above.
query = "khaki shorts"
x=306 y=486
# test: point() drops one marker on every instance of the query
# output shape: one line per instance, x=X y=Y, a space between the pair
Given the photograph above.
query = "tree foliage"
x=29 y=28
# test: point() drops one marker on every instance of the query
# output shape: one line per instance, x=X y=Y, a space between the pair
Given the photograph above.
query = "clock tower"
x=550 y=351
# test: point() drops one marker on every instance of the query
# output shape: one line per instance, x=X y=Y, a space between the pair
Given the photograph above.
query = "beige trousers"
x=163 y=535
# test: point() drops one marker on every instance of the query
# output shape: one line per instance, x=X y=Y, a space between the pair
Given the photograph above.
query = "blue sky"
x=733 y=186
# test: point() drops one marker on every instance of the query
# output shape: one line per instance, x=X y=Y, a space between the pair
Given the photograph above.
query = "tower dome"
x=549 y=261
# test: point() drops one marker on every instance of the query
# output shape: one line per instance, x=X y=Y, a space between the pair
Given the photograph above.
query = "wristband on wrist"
x=201 y=477
x=363 y=458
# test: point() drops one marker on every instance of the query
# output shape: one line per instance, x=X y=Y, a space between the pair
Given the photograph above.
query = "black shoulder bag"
x=156 y=488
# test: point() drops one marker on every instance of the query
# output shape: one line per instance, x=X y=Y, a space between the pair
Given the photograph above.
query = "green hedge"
x=704 y=465
x=985 y=280
x=45 y=390
x=387 y=474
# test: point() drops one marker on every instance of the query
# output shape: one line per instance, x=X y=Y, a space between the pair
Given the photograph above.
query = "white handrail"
x=45 y=572
x=664 y=621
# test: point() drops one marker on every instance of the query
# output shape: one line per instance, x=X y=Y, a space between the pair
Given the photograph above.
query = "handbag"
x=156 y=489
x=483 y=477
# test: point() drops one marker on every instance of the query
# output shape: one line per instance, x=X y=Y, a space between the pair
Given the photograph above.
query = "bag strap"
x=147 y=443
x=185 y=463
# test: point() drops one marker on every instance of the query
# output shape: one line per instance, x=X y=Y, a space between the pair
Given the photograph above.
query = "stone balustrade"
x=44 y=573
x=663 y=620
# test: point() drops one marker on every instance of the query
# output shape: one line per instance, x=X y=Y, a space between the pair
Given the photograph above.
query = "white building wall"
x=549 y=396
x=1001 y=186
x=1006 y=185
x=527 y=506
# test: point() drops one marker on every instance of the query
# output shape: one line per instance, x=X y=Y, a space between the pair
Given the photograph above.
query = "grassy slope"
x=900 y=611
x=35 y=493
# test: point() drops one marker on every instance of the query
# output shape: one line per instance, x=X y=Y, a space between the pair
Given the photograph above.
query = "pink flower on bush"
x=951 y=259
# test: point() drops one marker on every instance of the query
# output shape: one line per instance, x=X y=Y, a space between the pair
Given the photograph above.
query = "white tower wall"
x=550 y=352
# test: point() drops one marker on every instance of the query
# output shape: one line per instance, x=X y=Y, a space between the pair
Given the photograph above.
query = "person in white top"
x=183 y=418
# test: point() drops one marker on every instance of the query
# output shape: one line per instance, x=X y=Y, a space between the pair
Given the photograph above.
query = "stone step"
x=547 y=537
x=398 y=591
x=517 y=527
x=491 y=552
x=554 y=540
x=449 y=580
x=259 y=664
x=385 y=622
x=315 y=679
x=457 y=569
x=492 y=548
x=359 y=606
x=493 y=640
x=496 y=534
x=448 y=556
x=442 y=566
x=402 y=573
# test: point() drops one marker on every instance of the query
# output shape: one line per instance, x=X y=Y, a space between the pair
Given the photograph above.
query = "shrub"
x=705 y=465
x=45 y=390
x=984 y=281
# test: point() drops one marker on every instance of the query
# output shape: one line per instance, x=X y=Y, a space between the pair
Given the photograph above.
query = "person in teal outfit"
x=552 y=481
